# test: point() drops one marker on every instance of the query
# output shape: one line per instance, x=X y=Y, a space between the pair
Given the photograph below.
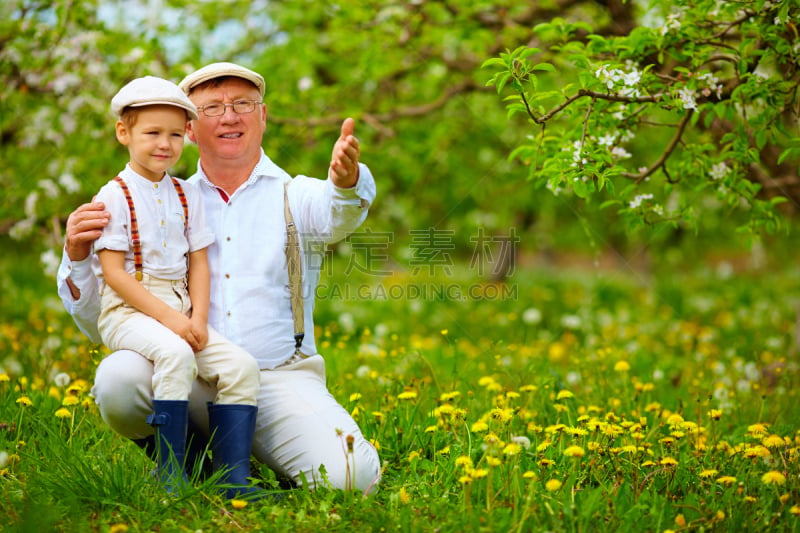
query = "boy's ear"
x=122 y=133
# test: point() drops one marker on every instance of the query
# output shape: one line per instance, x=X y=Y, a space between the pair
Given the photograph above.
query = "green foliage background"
x=437 y=138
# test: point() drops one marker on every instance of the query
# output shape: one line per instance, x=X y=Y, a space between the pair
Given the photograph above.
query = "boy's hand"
x=200 y=331
x=181 y=325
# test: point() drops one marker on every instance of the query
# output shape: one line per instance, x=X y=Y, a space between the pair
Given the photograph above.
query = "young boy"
x=154 y=284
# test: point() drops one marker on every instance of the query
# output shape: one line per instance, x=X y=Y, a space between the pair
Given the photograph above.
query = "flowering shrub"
x=694 y=109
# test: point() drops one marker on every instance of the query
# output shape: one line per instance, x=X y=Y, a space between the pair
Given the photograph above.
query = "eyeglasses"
x=239 y=106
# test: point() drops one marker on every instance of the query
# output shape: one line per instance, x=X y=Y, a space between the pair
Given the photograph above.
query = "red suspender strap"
x=137 y=243
x=135 y=240
x=184 y=204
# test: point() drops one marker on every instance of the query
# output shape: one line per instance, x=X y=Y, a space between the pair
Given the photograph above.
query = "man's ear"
x=123 y=135
x=190 y=132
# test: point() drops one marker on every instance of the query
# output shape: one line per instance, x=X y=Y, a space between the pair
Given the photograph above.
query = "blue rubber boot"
x=196 y=462
x=232 y=428
x=170 y=418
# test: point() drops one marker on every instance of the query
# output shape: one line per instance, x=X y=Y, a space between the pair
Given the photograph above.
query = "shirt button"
x=229 y=313
x=227 y=276
x=228 y=239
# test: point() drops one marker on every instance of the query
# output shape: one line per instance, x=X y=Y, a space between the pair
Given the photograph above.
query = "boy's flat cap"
x=150 y=90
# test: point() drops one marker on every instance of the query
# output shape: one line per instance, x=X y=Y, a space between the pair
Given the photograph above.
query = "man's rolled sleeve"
x=85 y=309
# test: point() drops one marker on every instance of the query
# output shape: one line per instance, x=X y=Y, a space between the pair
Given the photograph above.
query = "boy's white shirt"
x=160 y=220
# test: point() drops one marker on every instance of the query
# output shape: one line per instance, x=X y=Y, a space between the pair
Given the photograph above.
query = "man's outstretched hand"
x=344 y=160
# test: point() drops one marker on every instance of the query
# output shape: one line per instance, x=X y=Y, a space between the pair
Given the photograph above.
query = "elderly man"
x=262 y=287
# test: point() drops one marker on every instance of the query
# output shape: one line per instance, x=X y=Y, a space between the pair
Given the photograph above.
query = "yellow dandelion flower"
x=479 y=427
x=4 y=377
x=552 y=485
x=612 y=430
x=465 y=480
x=530 y=474
x=407 y=395
x=238 y=504
x=444 y=451
x=773 y=441
x=546 y=462
x=444 y=332
x=449 y=396
x=118 y=528
x=622 y=366
x=465 y=461
x=528 y=388
x=674 y=419
x=479 y=473
x=708 y=472
x=667 y=441
x=680 y=520
x=720 y=515
x=750 y=499
x=652 y=406
x=574 y=451
x=668 y=461
x=593 y=445
x=795 y=510
x=413 y=456
x=757 y=430
x=70 y=400
x=543 y=446
x=630 y=448
x=493 y=461
x=564 y=395
x=512 y=395
x=376 y=443
x=24 y=401
x=63 y=413
x=512 y=448
x=773 y=478
x=403 y=495
x=648 y=463
x=726 y=480
x=751 y=452
x=784 y=498
x=486 y=381
x=355 y=396
x=430 y=429
x=715 y=414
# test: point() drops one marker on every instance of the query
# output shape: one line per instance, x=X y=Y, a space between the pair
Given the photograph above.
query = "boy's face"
x=154 y=140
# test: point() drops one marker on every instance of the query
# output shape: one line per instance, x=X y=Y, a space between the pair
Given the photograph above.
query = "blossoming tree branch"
x=694 y=109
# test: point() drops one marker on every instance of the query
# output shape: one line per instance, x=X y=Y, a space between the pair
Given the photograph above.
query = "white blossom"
x=606 y=140
x=719 y=171
x=49 y=187
x=619 y=152
x=687 y=97
x=50 y=261
x=638 y=199
x=69 y=183
x=532 y=315
x=304 y=84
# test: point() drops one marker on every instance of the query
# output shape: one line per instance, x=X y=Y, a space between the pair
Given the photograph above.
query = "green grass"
x=580 y=401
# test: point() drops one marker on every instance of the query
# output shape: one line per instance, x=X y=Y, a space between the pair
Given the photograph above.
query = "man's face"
x=231 y=135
